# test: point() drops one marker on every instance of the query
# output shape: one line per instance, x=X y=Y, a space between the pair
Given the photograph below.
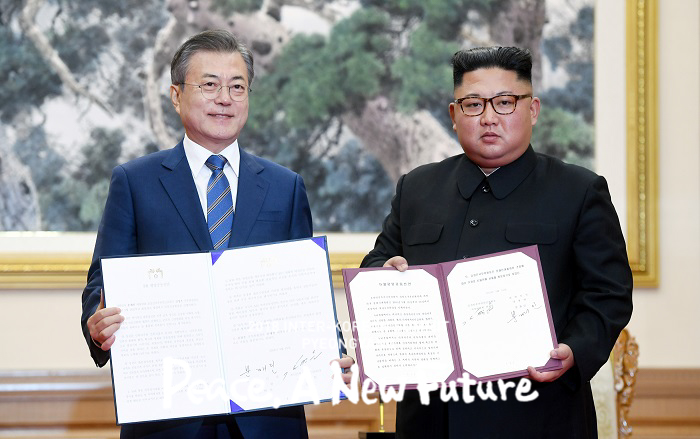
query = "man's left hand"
x=563 y=353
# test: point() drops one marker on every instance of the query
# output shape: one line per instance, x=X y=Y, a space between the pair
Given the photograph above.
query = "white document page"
x=401 y=326
x=500 y=314
x=167 y=307
x=277 y=321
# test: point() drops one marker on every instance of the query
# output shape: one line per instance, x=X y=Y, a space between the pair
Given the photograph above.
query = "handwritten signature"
x=264 y=368
x=480 y=311
x=269 y=369
x=302 y=360
x=515 y=314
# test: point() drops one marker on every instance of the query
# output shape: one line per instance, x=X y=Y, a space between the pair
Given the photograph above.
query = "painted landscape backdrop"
x=350 y=94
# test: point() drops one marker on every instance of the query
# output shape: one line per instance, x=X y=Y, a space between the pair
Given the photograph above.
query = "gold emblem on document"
x=155 y=274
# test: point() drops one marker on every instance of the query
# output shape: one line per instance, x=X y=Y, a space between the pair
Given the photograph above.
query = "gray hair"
x=218 y=40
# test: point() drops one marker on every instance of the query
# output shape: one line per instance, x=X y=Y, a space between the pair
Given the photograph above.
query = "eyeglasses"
x=211 y=90
x=501 y=104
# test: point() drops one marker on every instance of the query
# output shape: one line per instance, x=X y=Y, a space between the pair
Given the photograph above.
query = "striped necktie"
x=219 y=203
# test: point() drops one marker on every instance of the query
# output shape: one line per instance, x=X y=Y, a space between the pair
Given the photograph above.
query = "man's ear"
x=534 y=110
x=452 y=108
x=175 y=96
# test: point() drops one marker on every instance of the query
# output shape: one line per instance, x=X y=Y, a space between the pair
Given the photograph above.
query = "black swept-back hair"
x=513 y=59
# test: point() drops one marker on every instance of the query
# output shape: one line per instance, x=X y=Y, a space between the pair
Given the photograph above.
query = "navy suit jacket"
x=153 y=207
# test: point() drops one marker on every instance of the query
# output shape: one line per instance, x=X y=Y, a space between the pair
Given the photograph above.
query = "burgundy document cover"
x=441 y=273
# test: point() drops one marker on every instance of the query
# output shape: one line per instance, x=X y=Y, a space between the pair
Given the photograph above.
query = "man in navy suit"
x=500 y=195
x=158 y=204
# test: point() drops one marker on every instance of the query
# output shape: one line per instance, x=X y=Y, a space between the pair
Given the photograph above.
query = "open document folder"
x=488 y=317
x=222 y=332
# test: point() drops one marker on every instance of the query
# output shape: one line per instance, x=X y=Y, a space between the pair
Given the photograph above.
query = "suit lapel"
x=179 y=185
x=252 y=189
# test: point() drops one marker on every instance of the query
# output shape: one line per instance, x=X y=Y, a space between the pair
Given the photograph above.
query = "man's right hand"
x=398 y=262
x=104 y=323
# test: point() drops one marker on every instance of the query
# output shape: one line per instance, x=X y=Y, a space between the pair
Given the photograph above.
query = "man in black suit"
x=500 y=195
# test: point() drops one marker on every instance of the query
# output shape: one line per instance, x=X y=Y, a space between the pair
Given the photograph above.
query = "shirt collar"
x=197 y=155
x=502 y=182
x=488 y=174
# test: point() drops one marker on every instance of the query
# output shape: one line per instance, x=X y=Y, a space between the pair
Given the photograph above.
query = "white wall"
x=41 y=330
x=665 y=320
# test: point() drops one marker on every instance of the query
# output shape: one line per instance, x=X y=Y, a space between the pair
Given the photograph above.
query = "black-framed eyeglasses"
x=211 y=90
x=501 y=104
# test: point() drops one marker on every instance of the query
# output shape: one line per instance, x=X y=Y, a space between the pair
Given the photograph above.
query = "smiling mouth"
x=221 y=115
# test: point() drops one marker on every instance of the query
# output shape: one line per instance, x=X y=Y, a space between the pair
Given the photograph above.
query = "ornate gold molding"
x=642 y=141
x=340 y=261
x=625 y=354
x=44 y=260
x=41 y=271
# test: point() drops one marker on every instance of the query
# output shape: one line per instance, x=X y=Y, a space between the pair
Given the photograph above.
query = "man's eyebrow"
x=214 y=76
x=500 y=93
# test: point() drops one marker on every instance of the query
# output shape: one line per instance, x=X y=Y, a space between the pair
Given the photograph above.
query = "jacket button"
x=486 y=189
x=473 y=222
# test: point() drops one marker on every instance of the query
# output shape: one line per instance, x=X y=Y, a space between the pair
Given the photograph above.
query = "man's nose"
x=489 y=116
x=224 y=95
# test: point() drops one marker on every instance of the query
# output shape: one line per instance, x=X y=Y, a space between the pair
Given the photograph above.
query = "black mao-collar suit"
x=450 y=210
